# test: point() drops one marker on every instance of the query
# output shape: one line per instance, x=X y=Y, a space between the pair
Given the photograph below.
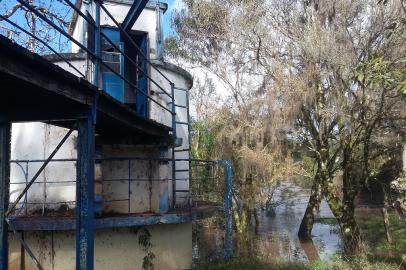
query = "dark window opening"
x=137 y=98
x=116 y=66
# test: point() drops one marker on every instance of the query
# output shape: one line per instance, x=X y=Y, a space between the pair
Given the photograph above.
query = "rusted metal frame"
x=43 y=42
x=85 y=194
x=123 y=31
x=26 y=247
x=37 y=174
x=125 y=221
x=49 y=203
x=5 y=153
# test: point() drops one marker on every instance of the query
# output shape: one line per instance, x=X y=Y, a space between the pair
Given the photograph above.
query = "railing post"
x=97 y=45
x=228 y=208
x=85 y=194
x=173 y=109
x=5 y=140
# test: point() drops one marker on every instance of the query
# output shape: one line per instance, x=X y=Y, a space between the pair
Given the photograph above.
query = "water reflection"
x=275 y=238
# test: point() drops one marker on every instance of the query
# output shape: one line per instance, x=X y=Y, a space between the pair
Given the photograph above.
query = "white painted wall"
x=37 y=141
x=147 y=22
x=158 y=114
x=78 y=64
x=114 y=249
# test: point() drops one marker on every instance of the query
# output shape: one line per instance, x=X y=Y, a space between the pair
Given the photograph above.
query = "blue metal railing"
x=95 y=55
x=211 y=184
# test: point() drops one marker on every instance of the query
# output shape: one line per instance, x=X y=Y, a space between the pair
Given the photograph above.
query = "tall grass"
x=337 y=263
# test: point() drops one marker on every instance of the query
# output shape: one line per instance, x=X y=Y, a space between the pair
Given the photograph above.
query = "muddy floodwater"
x=275 y=238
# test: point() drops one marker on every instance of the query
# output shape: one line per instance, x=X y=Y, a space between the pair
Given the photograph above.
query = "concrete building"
x=126 y=201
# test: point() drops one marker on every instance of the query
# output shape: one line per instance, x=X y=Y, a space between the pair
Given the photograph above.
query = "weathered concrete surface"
x=143 y=182
x=114 y=249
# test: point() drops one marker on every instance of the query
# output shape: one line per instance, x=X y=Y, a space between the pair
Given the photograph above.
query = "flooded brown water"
x=275 y=238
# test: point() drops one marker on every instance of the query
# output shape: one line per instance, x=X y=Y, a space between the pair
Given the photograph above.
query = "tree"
x=209 y=37
x=55 y=10
x=330 y=72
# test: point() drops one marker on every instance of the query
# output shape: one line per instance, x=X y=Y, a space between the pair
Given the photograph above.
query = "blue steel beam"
x=5 y=140
x=85 y=195
x=125 y=221
x=135 y=11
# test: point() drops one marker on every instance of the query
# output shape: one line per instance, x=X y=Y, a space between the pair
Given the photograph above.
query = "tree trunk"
x=310 y=250
x=344 y=211
x=386 y=224
x=385 y=215
x=312 y=210
x=351 y=234
x=256 y=219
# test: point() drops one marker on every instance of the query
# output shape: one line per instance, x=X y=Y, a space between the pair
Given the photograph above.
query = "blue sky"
x=172 y=4
x=18 y=17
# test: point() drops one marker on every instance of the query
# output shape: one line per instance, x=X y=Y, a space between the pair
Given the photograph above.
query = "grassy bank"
x=373 y=233
x=371 y=224
x=336 y=264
